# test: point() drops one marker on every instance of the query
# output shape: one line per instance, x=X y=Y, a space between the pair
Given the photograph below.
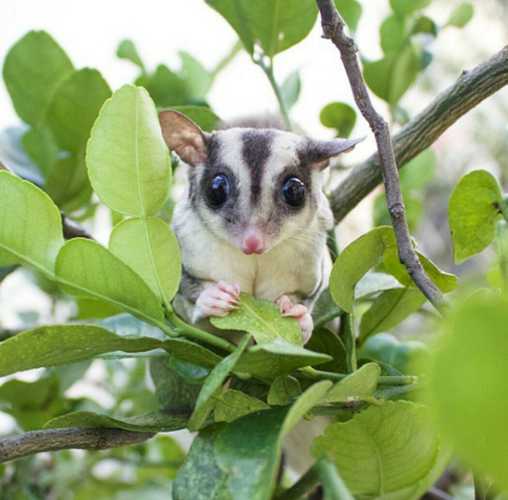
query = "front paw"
x=300 y=313
x=217 y=300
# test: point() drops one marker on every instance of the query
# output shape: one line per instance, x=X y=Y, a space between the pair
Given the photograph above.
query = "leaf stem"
x=333 y=484
x=314 y=374
x=266 y=65
x=180 y=327
x=347 y=334
x=304 y=485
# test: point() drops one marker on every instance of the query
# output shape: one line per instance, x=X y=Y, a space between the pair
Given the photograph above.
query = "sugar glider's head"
x=253 y=188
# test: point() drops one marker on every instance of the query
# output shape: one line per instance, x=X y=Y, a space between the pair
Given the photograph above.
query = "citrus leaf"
x=275 y=25
x=232 y=405
x=405 y=7
x=384 y=451
x=290 y=89
x=473 y=212
x=79 y=96
x=351 y=11
x=198 y=78
x=128 y=51
x=61 y=344
x=200 y=115
x=262 y=319
x=359 y=385
x=30 y=83
x=85 y=268
x=128 y=162
x=283 y=390
x=461 y=15
x=151 y=249
x=31 y=227
x=340 y=116
x=393 y=34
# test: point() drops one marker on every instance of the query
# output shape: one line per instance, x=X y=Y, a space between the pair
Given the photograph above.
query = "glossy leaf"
x=128 y=162
x=461 y=15
x=473 y=212
x=389 y=451
x=232 y=405
x=359 y=385
x=275 y=25
x=85 y=268
x=149 y=422
x=467 y=379
x=31 y=228
x=30 y=83
x=151 y=249
x=79 y=96
x=325 y=341
x=283 y=391
x=212 y=385
x=41 y=147
x=277 y=358
x=165 y=87
x=200 y=115
x=351 y=11
x=61 y=344
x=291 y=88
x=340 y=116
x=389 y=309
x=128 y=51
x=261 y=318
x=374 y=283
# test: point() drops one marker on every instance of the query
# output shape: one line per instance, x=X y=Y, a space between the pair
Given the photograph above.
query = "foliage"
x=243 y=399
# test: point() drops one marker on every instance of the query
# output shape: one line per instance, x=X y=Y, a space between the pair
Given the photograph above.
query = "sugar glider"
x=254 y=218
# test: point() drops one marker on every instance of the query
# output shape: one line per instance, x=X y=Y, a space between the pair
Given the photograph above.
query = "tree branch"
x=14 y=447
x=469 y=90
x=334 y=29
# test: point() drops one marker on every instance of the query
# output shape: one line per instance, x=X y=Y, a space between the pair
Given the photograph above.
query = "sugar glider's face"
x=253 y=188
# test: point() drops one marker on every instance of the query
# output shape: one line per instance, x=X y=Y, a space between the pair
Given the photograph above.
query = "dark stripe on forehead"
x=256 y=149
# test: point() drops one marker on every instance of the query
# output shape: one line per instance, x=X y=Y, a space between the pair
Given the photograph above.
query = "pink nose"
x=252 y=243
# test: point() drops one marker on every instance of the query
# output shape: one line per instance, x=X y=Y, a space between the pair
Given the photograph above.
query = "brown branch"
x=334 y=29
x=14 y=447
x=469 y=90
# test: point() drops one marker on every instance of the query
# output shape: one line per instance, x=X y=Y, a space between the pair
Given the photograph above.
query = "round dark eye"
x=293 y=191
x=218 y=191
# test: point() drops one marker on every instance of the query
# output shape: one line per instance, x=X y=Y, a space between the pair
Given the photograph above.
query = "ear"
x=319 y=153
x=183 y=137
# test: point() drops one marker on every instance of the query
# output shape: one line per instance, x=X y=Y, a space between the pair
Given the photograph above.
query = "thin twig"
x=334 y=29
x=72 y=229
x=423 y=130
x=14 y=447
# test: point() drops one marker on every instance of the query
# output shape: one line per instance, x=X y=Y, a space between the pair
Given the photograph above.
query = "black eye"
x=293 y=191
x=218 y=191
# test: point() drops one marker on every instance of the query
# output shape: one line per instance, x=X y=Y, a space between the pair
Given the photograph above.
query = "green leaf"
x=356 y=259
x=351 y=11
x=85 y=268
x=290 y=89
x=197 y=77
x=374 y=283
x=128 y=51
x=277 y=358
x=213 y=384
x=389 y=78
x=176 y=395
x=30 y=83
x=31 y=229
x=79 y=96
x=359 y=385
x=473 y=212
x=424 y=24
x=274 y=25
x=165 y=87
x=325 y=341
x=467 y=382
x=262 y=319
x=41 y=147
x=191 y=352
x=283 y=391
x=148 y=422
x=393 y=34
x=333 y=485
x=340 y=116
x=233 y=404
x=128 y=162
x=389 y=309
x=461 y=15
x=200 y=115
x=389 y=451
x=61 y=344
x=417 y=173
x=151 y=249
x=405 y=7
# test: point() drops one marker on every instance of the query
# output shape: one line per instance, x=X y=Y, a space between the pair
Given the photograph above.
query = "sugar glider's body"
x=254 y=218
